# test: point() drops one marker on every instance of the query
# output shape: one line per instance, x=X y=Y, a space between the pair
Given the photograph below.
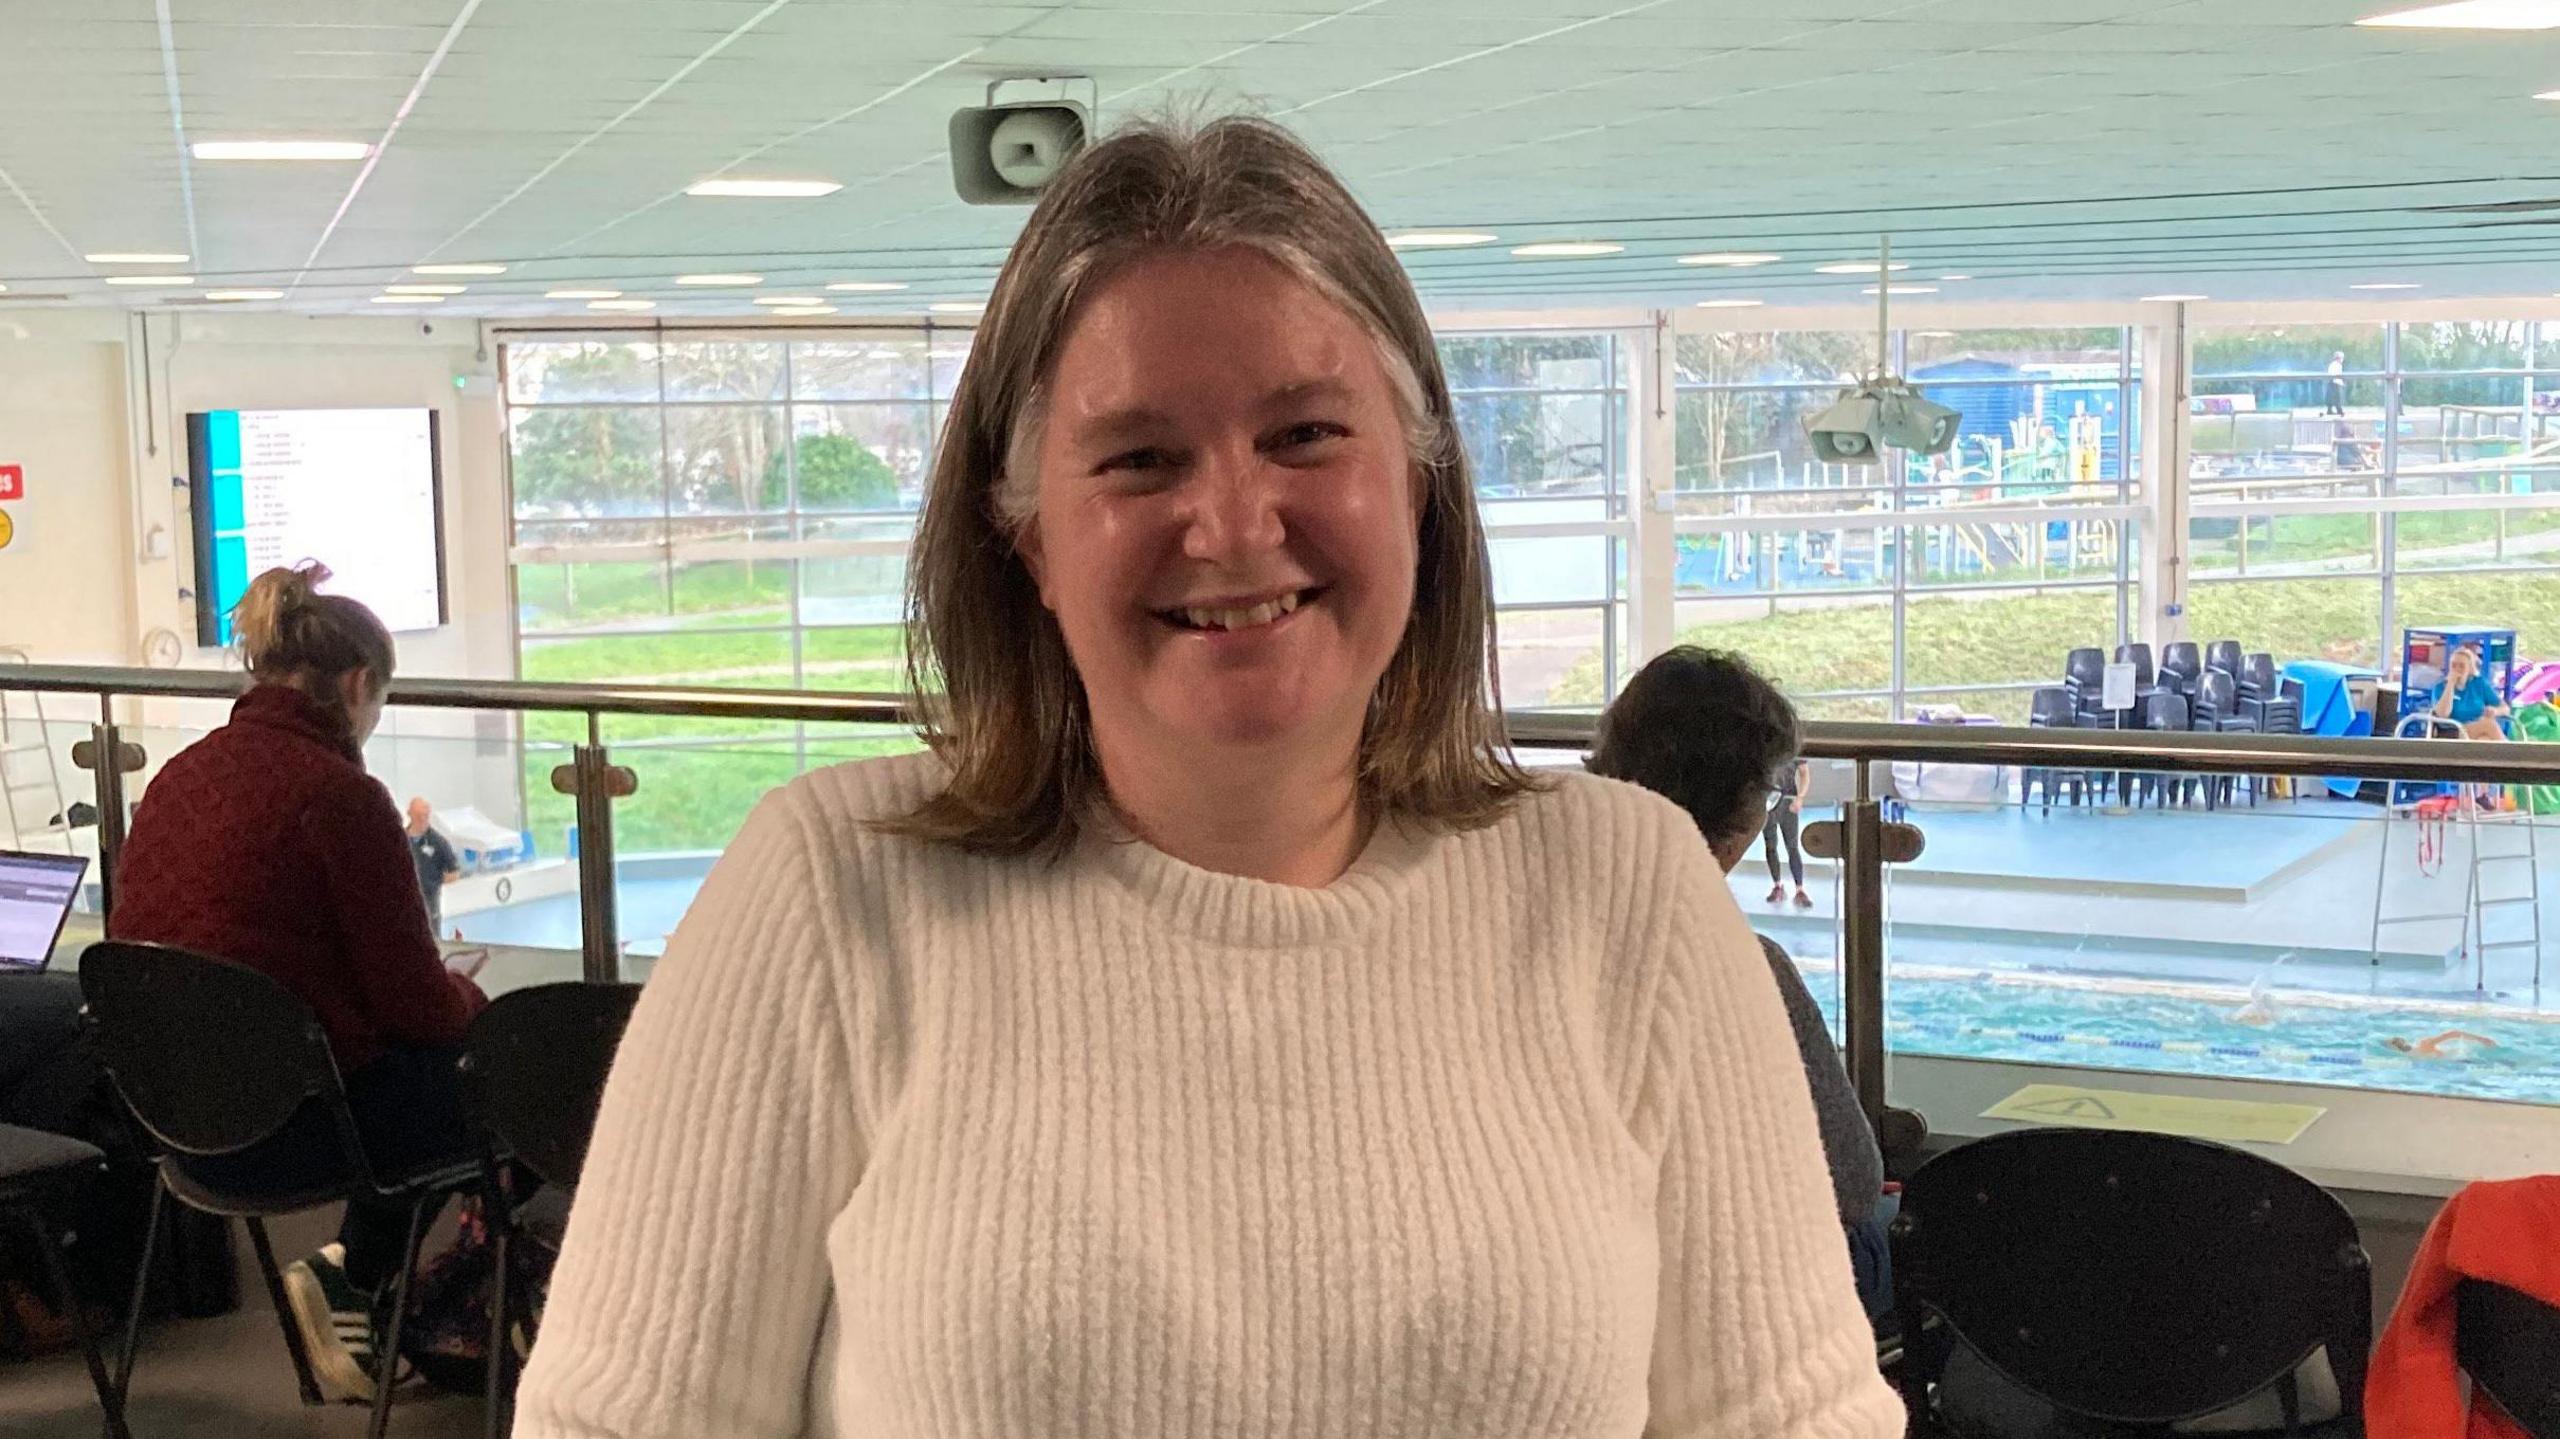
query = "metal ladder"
x=35 y=806
x=2477 y=901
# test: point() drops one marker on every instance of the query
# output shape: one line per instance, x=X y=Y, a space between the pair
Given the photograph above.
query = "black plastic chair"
x=2138 y=655
x=2165 y=709
x=2271 y=698
x=2084 y=675
x=2217 y=711
x=2126 y=1279
x=40 y=1170
x=534 y=1067
x=214 y=1058
x=2052 y=708
x=2180 y=665
x=2223 y=655
x=2509 y=1343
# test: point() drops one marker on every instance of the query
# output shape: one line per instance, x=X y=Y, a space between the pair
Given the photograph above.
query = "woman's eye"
x=1307 y=432
x=1138 y=461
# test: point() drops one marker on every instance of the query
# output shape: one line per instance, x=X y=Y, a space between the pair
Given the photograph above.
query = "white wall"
x=64 y=595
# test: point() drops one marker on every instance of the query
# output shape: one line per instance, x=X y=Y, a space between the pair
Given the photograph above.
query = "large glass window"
x=1952 y=580
x=2349 y=480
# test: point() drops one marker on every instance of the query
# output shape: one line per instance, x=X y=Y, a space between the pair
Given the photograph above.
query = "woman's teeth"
x=1244 y=619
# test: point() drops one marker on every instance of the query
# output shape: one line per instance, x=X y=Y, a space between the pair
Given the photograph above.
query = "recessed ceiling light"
x=457 y=269
x=2172 y=299
x=1855 y=267
x=1565 y=249
x=244 y=294
x=1951 y=279
x=280 y=149
x=423 y=289
x=763 y=189
x=867 y=287
x=789 y=300
x=135 y=257
x=623 y=305
x=1734 y=258
x=408 y=299
x=717 y=281
x=957 y=307
x=4 y=289
x=1904 y=289
x=582 y=294
x=795 y=311
x=1438 y=239
x=2474 y=15
x=1728 y=304
x=151 y=279
x=2388 y=285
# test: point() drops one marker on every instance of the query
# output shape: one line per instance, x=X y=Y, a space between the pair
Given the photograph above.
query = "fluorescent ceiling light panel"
x=1855 y=267
x=1951 y=279
x=732 y=282
x=789 y=300
x=763 y=189
x=408 y=299
x=2172 y=299
x=867 y=287
x=280 y=149
x=2548 y=95
x=957 y=307
x=2473 y=15
x=135 y=257
x=2387 y=285
x=423 y=289
x=244 y=294
x=582 y=294
x=623 y=305
x=1438 y=239
x=1565 y=249
x=801 y=310
x=1728 y=304
x=1736 y=259
x=151 y=279
x=457 y=269
x=1904 y=290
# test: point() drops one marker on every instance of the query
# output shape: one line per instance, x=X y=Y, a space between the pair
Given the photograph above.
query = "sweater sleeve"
x=372 y=884
x=694 y=1279
x=1848 y=1146
x=1758 y=1330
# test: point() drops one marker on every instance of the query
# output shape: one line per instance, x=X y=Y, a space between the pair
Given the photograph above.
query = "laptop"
x=36 y=895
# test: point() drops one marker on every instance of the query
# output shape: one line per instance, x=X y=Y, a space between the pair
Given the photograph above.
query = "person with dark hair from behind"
x=1703 y=729
x=266 y=844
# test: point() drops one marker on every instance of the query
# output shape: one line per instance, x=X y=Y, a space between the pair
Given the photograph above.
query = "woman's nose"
x=1235 y=511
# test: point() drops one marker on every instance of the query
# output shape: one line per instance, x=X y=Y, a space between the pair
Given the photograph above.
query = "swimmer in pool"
x=2452 y=1044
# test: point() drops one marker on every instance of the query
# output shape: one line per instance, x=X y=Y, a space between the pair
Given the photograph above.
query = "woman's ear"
x=1035 y=557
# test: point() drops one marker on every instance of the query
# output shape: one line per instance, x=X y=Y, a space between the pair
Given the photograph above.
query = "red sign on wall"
x=13 y=482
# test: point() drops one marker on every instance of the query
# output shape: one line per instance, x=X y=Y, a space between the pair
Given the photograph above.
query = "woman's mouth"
x=1228 y=618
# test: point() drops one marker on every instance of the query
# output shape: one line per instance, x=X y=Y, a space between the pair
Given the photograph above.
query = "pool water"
x=2301 y=1038
x=2042 y=1019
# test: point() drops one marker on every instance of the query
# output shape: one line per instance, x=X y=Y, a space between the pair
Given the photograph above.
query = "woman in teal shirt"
x=2468 y=699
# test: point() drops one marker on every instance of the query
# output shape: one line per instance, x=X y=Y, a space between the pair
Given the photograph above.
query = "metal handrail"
x=2171 y=751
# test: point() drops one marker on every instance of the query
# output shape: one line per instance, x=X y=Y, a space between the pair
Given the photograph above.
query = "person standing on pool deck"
x=1785 y=821
x=435 y=860
x=1215 y=1030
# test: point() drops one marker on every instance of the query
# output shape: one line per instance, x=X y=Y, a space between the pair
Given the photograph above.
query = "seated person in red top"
x=266 y=844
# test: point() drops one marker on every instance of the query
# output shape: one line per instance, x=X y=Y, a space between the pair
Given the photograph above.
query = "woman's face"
x=1227 y=511
x=2466 y=663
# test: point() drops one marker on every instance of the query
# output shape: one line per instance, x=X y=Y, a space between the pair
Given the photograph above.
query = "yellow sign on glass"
x=2232 y=1121
x=8 y=529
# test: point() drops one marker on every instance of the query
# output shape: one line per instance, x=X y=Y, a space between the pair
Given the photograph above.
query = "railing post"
x=1865 y=842
x=595 y=782
x=108 y=780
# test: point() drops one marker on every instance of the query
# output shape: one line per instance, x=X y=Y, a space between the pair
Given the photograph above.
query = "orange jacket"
x=2507 y=1232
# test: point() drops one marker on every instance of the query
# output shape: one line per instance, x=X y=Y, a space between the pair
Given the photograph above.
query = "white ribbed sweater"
x=1502 y=1134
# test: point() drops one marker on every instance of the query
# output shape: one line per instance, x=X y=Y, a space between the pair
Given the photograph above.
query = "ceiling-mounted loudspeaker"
x=1005 y=154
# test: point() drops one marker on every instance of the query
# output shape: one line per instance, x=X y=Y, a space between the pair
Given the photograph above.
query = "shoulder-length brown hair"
x=1001 y=699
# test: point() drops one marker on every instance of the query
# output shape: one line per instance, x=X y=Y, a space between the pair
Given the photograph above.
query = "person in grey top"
x=1706 y=731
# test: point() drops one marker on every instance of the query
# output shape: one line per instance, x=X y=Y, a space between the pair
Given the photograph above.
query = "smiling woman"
x=1216 y=1031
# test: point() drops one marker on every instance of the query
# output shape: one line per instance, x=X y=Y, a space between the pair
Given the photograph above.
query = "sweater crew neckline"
x=1236 y=910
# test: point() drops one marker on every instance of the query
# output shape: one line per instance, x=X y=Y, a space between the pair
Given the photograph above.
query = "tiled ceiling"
x=2047 y=149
